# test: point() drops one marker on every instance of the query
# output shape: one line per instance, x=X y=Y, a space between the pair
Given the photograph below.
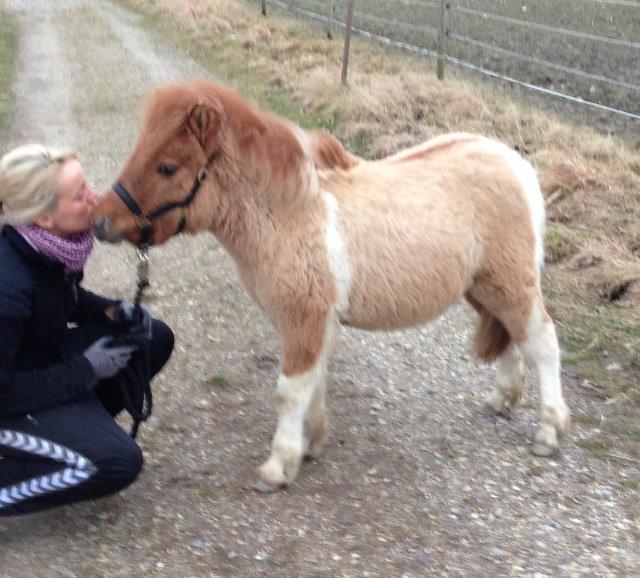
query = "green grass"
x=218 y=381
x=596 y=447
x=628 y=427
x=579 y=357
x=560 y=243
x=586 y=337
x=8 y=49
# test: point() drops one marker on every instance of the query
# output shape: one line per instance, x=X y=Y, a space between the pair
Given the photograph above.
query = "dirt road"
x=414 y=481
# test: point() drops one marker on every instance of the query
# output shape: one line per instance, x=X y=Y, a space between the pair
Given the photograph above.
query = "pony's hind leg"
x=509 y=385
x=540 y=347
x=520 y=311
x=493 y=341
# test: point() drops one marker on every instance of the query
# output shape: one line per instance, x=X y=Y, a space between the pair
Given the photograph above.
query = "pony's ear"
x=204 y=122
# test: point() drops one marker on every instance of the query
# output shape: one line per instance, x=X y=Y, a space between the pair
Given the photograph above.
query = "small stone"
x=541 y=545
x=222 y=481
x=372 y=472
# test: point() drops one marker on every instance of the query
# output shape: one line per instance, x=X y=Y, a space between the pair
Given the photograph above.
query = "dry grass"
x=591 y=182
x=590 y=17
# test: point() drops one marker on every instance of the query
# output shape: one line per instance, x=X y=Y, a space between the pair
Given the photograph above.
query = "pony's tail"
x=492 y=337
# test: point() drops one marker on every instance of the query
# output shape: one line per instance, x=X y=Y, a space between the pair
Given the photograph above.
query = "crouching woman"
x=59 y=442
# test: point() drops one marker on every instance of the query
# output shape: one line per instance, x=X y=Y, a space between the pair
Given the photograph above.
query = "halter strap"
x=144 y=220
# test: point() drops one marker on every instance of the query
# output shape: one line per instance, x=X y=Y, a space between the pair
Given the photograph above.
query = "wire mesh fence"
x=583 y=51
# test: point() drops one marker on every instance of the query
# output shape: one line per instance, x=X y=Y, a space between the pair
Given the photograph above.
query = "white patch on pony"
x=509 y=385
x=338 y=253
x=531 y=187
x=541 y=349
x=297 y=392
x=295 y=395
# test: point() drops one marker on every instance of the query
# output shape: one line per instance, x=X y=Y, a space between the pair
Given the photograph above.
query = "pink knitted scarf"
x=72 y=251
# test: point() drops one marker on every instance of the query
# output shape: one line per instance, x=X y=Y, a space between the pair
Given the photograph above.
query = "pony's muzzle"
x=102 y=231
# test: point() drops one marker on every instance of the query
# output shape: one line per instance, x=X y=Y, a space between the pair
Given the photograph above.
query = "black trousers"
x=74 y=451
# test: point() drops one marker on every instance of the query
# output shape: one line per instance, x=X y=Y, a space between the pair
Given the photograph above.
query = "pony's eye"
x=166 y=170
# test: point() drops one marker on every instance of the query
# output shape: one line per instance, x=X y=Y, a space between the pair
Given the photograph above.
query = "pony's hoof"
x=542 y=450
x=489 y=411
x=264 y=488
x=271 y=477
x=316 y=447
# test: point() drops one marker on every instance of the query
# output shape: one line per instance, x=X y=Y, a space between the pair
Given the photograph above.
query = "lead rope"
x=135 y=380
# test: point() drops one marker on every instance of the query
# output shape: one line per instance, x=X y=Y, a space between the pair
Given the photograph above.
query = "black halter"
x=144 y=220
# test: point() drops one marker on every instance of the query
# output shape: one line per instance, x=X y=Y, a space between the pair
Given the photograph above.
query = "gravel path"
x=414 y=481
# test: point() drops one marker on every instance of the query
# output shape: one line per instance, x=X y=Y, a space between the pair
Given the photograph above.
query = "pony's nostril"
x=100 y=227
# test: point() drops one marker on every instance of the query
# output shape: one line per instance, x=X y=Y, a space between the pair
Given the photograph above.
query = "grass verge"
x=8 y=51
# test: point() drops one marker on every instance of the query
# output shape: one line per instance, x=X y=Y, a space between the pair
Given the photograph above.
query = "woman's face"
x=75 y=201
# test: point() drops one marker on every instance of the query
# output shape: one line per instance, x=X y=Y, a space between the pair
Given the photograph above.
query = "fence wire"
x=451 y=35
x=545 y=27
x=542 y=62
x=629 y=3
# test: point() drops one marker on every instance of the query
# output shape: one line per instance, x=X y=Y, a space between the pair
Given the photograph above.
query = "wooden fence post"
x=331 y=22
x=442 y=35
x=264 y=7
x=347 y=42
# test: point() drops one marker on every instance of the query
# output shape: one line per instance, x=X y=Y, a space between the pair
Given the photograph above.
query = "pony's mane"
x=264 y=143
x=328 y=152
x=164 y=114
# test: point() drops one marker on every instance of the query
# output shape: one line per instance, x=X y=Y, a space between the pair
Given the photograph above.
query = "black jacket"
x=39 y=364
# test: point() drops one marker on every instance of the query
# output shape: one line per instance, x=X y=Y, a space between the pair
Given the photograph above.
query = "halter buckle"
x=142 y=220
x=202 y=175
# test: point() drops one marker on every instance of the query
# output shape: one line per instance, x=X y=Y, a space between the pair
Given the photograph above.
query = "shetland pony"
x=321 y=238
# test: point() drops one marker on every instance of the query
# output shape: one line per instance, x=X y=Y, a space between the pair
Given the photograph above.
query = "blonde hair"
x=29 y=182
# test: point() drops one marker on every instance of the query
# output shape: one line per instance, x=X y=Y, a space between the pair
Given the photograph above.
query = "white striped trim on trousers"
x=78 y=470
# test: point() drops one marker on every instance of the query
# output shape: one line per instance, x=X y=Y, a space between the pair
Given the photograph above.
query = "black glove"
x=125 y=314
x=107 y=361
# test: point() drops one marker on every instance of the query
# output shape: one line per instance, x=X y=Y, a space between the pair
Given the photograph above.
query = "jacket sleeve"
x=92 y=307
x=22 y=391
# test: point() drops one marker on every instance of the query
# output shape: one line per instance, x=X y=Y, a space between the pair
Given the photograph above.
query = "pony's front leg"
x=300 y=386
